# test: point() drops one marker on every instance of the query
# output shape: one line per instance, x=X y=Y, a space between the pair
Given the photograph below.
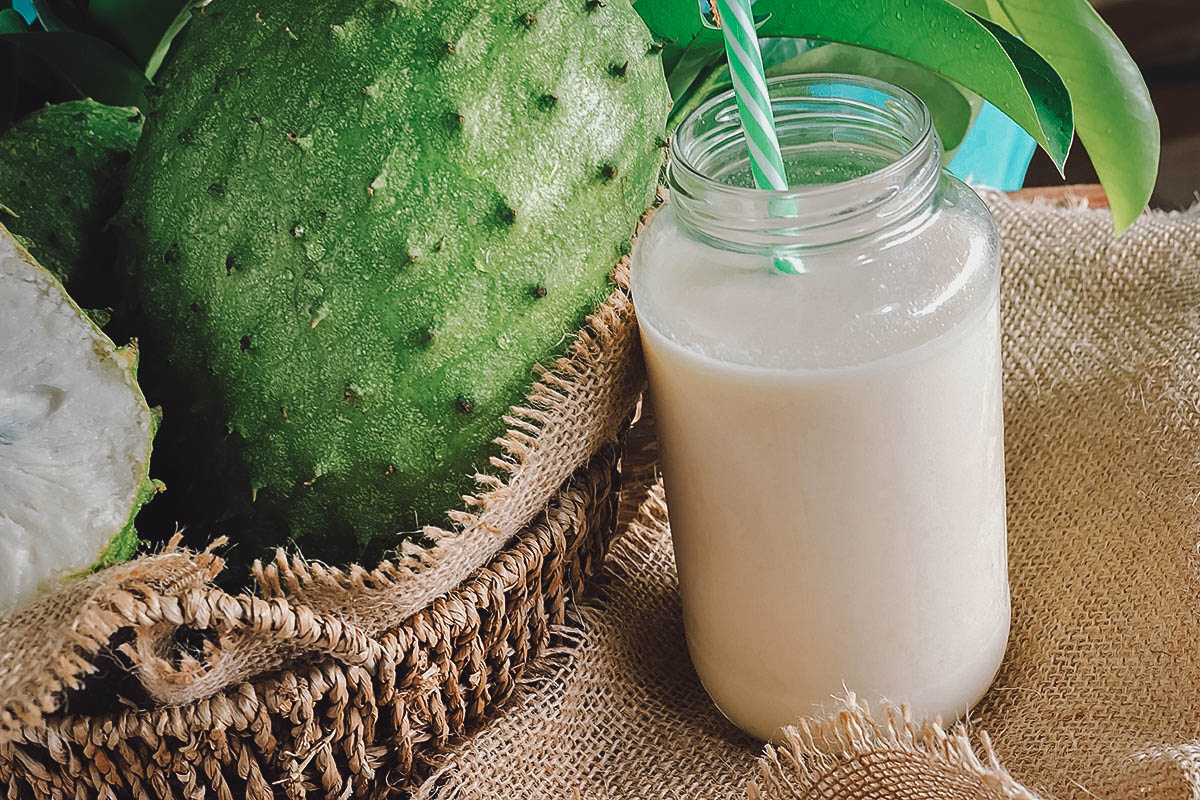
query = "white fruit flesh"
x=74 y=433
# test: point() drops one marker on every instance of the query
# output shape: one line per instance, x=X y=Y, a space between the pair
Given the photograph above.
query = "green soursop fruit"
x=358 y=225
x=74 y=435
x=62 y=172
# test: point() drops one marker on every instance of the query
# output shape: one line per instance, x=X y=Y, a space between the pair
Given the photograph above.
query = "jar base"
x=765 y=724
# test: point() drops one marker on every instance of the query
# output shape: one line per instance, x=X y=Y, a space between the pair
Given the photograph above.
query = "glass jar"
x=825 y=368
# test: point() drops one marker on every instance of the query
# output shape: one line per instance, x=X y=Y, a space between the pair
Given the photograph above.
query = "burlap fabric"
x=146 y=680
x=1099 y=696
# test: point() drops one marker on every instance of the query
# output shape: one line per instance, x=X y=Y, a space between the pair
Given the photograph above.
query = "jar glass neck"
x=862 y=158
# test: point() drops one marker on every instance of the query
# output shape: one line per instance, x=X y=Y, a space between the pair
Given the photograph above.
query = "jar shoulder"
x=853 y=302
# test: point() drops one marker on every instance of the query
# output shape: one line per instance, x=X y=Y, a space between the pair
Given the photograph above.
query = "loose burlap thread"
x=1099 y=694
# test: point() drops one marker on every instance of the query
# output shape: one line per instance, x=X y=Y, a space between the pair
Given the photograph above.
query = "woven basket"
x=353 y=725
x=147 y=681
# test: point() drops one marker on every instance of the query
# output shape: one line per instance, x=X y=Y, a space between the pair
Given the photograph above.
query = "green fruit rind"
x=90 y=369
x=62 y=169
x=357 y=226
x=125 y=543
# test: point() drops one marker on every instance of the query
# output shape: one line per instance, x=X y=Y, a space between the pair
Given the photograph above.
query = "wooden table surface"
x=1091 y=193
x=1163 y=36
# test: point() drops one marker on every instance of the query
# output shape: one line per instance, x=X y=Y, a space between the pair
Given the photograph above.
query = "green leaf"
x=951 y=109
x=934 y=33
x=707 y=84
x=692 y=60
x=164 y=43
x=136 y=26
x=1041 y=81
x=12 y=22
x=676 y=22
x=90 y=66
x=977 y=7
x=57 y=15
x=1115 y=117
x=996 y=13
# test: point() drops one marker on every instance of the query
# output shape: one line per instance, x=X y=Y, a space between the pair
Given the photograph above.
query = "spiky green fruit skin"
x=358 y=225
x=62 y=171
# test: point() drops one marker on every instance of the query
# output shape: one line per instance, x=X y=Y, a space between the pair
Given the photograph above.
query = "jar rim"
x=879 y=135
x=915 y=152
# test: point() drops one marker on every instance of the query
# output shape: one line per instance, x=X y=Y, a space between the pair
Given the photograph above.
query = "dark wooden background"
x=1164 y=37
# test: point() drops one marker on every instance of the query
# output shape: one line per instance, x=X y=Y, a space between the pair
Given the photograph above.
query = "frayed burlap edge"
x=328 y=727
x=304 y=609
x=843 y=750
x=1096 y=698
x=85 y=616
x=853 y=752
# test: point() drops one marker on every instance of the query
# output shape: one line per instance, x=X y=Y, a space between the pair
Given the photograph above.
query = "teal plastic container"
x=995 y=153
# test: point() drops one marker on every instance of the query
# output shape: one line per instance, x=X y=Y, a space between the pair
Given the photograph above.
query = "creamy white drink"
x=832 y=441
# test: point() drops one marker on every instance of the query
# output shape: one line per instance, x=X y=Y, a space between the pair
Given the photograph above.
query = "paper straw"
x=750 y=89
x=753 y=100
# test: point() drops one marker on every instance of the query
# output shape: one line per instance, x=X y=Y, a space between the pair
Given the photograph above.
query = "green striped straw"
x=753 y=100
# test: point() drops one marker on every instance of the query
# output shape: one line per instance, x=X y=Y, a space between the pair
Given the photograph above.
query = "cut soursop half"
x=75 y=435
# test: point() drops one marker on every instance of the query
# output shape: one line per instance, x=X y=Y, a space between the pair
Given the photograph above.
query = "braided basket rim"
x=440 y=673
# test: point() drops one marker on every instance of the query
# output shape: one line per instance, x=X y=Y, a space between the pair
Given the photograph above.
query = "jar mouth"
x=860 y=153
